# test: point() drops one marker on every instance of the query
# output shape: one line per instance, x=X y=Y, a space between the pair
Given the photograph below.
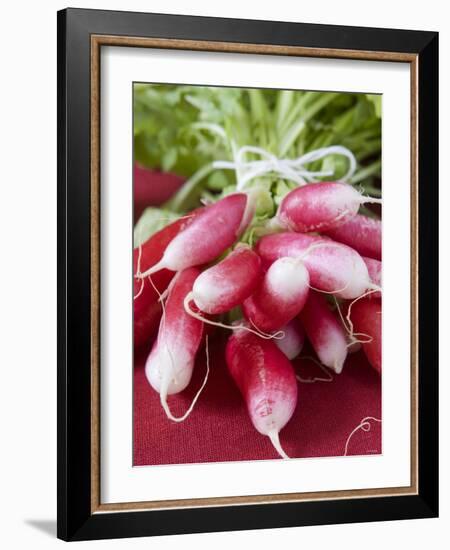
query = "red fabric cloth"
x=220 y=430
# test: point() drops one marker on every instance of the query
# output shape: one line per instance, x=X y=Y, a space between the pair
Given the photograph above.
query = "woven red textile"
x=219 y=428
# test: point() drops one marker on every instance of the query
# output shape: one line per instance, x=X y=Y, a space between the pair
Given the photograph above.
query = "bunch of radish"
x=314 y=274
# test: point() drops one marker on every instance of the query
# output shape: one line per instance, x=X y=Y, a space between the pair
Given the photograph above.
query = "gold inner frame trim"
x=97 y=41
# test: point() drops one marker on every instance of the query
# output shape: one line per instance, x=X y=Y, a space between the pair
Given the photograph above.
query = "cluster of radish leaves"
x=183 y=129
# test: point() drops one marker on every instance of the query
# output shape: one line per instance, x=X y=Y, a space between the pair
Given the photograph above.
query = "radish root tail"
x=163 y=394
x=364 y=425
x=349 y=312
x=275 y=439
x=347 y=322
x=157 y=267
x=138 y=272
x=328 y=291
x=277 y=335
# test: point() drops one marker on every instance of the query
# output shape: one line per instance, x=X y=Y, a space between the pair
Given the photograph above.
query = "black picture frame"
x=76 y=519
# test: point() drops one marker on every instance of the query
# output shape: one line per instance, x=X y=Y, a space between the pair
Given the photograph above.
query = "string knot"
x=291 y=169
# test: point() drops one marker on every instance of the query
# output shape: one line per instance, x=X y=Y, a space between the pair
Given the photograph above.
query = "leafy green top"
x=184 y=129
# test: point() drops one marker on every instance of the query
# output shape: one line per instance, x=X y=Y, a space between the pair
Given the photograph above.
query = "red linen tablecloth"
x=219 y=428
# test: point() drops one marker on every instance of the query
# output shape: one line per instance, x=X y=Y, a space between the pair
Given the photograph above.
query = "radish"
x=280 y=296
x=374 y=267
x=325 y=332
x=146 y=323
x=319 y=206
x=146 y=307
x=294 y=337
x=266 y=380
x=228 y=283
x=361 y=233
x=171 y=361
x=208 y=235
x=333 y=267
x=365 y=316
x=152 y=188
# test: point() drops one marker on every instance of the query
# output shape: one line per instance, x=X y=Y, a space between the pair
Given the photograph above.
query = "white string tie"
x=291 y=169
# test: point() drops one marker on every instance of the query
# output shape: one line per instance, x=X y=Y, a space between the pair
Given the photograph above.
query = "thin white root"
x=374 y=288
x=165 y=405
x=349 y=311
x=349 y=330
x=164 y=295
x=157 y=267
x=328 y=291
x=163 y=394
x=364 y=425
x=314 y=379
x=277 y=335
x=136 y=296
x=138 y=272
x=367 y=338
x=275 y=439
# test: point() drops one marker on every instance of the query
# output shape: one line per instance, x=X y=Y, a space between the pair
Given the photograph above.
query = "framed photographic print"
x=247 y=253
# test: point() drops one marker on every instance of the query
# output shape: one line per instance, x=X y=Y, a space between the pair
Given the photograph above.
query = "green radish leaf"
x=282 y=188
x=217 y=181
x=168 y=160
x=265 y=206
x=151 y=221
x=376 y=100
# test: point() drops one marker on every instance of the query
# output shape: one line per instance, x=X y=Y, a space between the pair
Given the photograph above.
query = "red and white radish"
x=374 y=267
x=171 y=361
x=208 y=235
x=333 y=267
x=291 y=344
x=266 y=380
x=325 y=332
x=146 y=305
x=280 y=296
x=152 y=188
x=228 y=283
x=361 y=233
x=320 y=206
x=365 y=316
